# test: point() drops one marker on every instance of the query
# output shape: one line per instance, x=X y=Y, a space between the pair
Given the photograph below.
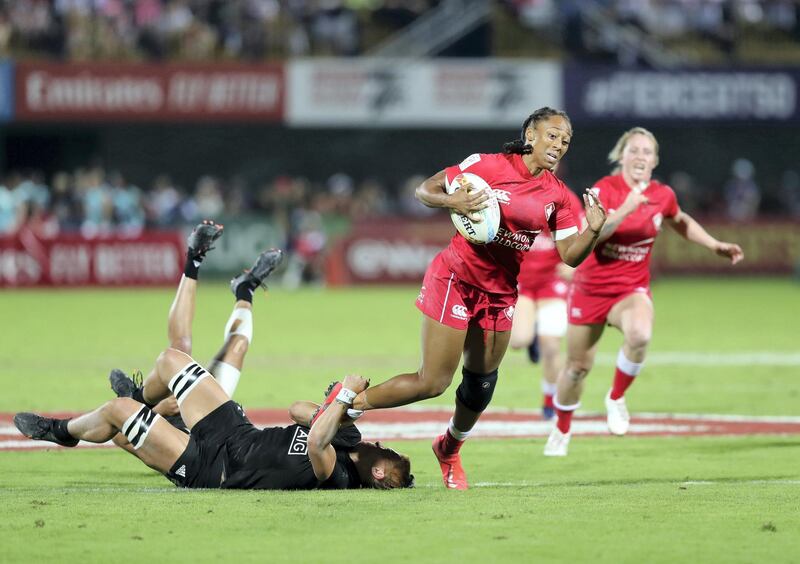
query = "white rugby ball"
x=478 y=232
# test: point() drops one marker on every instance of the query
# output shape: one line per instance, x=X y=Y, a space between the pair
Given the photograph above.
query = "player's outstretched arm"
x=575 y=248
x=320 y=452
x=688 y=228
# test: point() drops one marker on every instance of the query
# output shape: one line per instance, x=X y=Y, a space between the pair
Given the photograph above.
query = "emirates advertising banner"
x=114 y=92
x=603 y=94
x=150 y=259
x=410 y=93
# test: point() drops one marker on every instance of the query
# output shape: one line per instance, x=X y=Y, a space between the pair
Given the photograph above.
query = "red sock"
x=547 y=401
x=622 y=382
x=451 y=445
x=564 y=420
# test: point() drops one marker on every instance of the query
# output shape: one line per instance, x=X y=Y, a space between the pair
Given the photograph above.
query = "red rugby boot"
x=452 y=471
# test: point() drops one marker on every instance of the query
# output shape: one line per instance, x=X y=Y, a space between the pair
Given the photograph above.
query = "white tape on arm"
x=346 y=396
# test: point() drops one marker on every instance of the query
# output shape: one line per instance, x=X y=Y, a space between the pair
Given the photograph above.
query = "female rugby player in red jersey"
x=613 y=285
x=541 y=311
x=469 y=291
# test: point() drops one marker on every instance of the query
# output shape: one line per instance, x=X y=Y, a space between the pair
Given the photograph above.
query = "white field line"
x=686 y=358
x=523 y=483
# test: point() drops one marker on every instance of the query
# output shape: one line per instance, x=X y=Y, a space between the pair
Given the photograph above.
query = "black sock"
x=138 y=395
x=244 y=291
x=191 y=269
x=60 y=430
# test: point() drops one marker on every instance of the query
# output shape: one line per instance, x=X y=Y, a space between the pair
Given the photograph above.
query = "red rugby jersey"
x=621 y=264
x=528 y=206
x=540 y=265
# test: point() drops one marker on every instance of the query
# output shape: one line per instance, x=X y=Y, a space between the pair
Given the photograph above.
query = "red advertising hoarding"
x=151 y=259
x=398 y=251
x=133 y=92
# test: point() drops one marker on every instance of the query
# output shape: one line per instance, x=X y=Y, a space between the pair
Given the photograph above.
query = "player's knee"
x=117 y=410
x=476 y=390
x=169 y=362
x=549 y=349
x=638 y=337
x=183 y=344
x=433 y=387
x=521 y=339
x=578 y=370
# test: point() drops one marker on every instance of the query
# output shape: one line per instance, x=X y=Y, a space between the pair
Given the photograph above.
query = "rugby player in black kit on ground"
x=223 y=449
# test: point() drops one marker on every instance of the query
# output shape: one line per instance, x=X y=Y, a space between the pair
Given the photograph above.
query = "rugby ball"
x=484 y=231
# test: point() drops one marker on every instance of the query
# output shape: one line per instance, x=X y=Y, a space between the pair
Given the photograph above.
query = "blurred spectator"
x=9 y=211
x=127 y=200
x=789 y=193
x=162 y=207
x=741 y=193
x=208 y=198
x=688 y=193
x=98 y=205
x=407 y=199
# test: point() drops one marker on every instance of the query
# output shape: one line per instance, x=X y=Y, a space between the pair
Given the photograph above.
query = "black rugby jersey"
x=277 y=458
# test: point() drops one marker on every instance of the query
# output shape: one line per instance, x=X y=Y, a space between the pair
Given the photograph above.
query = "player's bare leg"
x=551 y=327
x=483 y=352
x=634 y=317
x=195 y=390
x=581 y=350
x=226 y=366
x=441 y=353
x=523 y=329
x=157 y=443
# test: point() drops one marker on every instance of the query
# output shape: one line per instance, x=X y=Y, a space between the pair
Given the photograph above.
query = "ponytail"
x=517 y=147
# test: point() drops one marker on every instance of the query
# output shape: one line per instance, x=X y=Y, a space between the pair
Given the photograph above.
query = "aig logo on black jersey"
x=299 y=444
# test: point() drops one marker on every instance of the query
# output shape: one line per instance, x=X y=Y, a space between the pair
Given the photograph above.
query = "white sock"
x=564 y=407
x=548 y=389
x=628 y=367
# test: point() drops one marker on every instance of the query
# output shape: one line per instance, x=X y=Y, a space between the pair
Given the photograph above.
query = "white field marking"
x=537 y=413
x=686 y=358
x=427 y=429
x=689 y=483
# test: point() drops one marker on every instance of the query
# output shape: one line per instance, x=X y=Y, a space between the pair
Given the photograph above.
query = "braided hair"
x=520 y=146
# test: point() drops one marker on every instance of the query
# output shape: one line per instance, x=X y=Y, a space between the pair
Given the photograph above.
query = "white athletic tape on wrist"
x=628 y=367
x=137 y=426
x=226 y=375
x=182 y=384
x=245 y=327
x=346 y=396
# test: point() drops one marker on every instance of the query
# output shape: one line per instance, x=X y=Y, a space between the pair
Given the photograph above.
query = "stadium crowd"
x=194 y=29
x=96 y=201
x=158 y=30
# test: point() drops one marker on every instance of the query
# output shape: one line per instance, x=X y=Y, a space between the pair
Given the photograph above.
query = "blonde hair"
x=616 y=153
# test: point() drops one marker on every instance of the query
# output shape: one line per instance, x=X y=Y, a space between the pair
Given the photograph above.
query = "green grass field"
x=720 y=346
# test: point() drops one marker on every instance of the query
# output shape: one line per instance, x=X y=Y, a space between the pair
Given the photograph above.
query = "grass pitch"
x=720 y=346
